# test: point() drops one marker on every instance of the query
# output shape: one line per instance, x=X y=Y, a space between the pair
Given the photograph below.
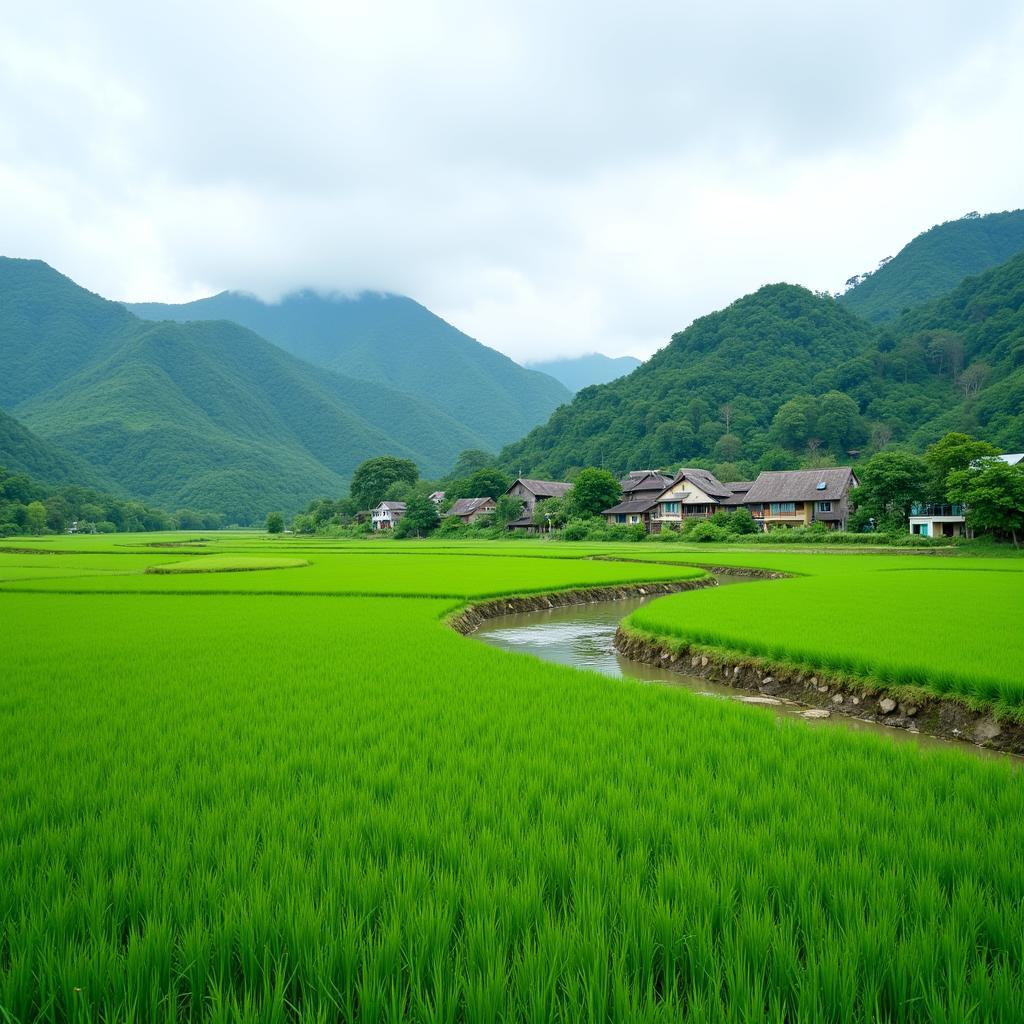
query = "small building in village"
x=386 y=515
x=437 y=497
x=471 y=509
x=532 y=493
x=938 y=520
x=640 y=492
x=801 y=497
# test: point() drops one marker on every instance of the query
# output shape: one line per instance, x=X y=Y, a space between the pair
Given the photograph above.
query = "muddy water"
x=582 y=636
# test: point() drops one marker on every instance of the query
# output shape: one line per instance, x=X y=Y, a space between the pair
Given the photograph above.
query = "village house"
x=801 y=497
x=692 y=494
x=437 y=497
x=387 y=514
x=937 y=520
x=532 y=493
x=640 y=491
x=471 y=509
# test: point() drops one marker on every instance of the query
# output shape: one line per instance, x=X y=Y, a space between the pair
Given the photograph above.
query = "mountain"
x=21 y=451
x=390 y=339
x=583 y=371
x=935 y=262
x=784 y=377
x=726 y=374
x=204 y=415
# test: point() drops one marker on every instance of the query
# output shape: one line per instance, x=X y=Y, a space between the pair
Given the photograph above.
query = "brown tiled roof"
x=637 y=505
x=739 y=490
x=705 y=480
x=544 y=488
x=802 y=485
x=467 y=506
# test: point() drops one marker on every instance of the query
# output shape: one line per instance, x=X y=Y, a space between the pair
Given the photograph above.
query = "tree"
x=304 y=523
x=420 y=517
x=592 y=492
x=839 y=422
x=795 y=422
x=950 y=453
x=994 y=495
x=35 y=517
x=507 y=509
x=890 y=483
x=275 y=522
x=974 y=378
x=488 y=482
x=373 y=477
x=550 y=512
x=469 y=462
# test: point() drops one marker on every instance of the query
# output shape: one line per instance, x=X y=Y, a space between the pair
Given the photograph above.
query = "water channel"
x=583 y=635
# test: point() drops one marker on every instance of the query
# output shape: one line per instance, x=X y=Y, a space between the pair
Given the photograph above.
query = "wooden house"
x=471 y=509
x=532 y=493
x=802 y=497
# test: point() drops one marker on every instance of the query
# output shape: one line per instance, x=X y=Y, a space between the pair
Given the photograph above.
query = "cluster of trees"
x=957 y=469
x=29 y=507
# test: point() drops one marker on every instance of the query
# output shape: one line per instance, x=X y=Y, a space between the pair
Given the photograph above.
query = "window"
x=782 y=507
x=670 y=507
x=620 y=517
x=824 y=506
x=634 y=519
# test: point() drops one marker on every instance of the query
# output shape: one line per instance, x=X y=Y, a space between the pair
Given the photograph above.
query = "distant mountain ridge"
x=392 y=340
x=582 y=371
x=935 y=262
x=208 y=415
x=21 y=451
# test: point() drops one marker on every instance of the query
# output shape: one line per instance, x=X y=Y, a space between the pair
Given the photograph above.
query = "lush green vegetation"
x=21 y=451
x=783 y=378
x=261 y=807
x=936 y=262
x=29 y=507
x=202 y=415
x=392 y=340
x=879 y=624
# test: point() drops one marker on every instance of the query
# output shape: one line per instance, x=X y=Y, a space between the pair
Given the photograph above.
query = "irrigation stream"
x=583 y=636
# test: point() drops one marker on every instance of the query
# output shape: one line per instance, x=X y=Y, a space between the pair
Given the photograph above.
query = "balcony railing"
x=937 y=510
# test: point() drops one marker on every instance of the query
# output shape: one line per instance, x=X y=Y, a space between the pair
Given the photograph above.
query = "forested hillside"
x=935 y=262
x=392 y=340
x=710 y=394
x=21 y=451
x=582 y=371
x=784 y=378
x=208 y=415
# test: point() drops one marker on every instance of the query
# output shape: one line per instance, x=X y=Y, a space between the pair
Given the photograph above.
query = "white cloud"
x=553 y=178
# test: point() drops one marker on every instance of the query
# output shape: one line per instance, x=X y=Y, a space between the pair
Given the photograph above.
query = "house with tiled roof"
x=531 y=493
x=802 y=497
x=640 y=491
x=471 y=509
x=692 y=494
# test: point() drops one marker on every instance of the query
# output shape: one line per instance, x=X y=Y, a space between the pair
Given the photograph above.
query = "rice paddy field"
x=295 y=794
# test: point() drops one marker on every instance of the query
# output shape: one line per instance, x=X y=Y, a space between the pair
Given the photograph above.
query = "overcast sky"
x=554 y=177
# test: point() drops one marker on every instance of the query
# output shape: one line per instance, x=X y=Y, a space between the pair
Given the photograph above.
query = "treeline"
x=957 y=469
x=30 y=507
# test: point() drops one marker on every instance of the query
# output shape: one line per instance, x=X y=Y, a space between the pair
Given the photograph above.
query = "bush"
x=707 y=531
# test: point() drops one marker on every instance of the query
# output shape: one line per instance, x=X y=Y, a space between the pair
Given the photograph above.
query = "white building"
x=387 y=514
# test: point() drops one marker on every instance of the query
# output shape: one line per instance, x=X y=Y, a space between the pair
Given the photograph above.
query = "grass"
x=262 y=807
x=227 y=563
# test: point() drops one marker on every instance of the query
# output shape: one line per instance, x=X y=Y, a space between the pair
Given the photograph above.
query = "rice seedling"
x=263 y=807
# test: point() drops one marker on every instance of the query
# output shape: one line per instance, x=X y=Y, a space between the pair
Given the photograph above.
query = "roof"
x=1013 y=460
x=705 y=480
x=543 y=488
x=636 y=505
x=644 y=480
x=437 y=495
x=395 y=506
x=802 y=485
x=521 y=521
x=467 y=506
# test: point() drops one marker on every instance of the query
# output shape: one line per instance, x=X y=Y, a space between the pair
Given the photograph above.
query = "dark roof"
x=467 y=506
x=543 y=488
x=395 y=506
x=644 y=480
x=636 y=505
x=521 y=521
x=739 y=490
x=705 y=480
x=802 y=485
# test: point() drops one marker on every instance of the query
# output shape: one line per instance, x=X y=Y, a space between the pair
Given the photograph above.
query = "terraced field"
x=297 y=795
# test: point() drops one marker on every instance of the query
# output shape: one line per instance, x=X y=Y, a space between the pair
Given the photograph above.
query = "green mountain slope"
x=392 y=340
x=21 y=451
x=935 y=262
x=726 y=374
x=783 y=378
x=583 y=371
x=205 y=415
